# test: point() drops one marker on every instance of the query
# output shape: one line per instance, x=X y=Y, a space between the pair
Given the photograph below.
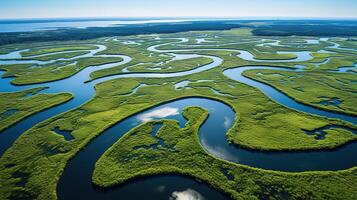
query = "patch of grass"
x=26 y=106
x=269 y=56
x=110 y=106
x=189 y=158
x=58 y=56
x=138 y=53
x=313 y=88
x=6 y=50
x=335 y=63
x=53 y=49
x=40 y=153
x=239 y=32
x=172 y=66
x=26 y=75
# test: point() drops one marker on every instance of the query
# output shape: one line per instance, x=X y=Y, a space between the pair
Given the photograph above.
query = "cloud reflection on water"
x=219 y=151
x=188 y=194
x=227 y=122
x=158 y=114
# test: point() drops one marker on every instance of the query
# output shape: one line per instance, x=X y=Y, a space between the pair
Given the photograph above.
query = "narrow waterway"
x=212 y=137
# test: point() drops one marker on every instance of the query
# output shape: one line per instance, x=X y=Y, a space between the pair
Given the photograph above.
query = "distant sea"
x=28 y=25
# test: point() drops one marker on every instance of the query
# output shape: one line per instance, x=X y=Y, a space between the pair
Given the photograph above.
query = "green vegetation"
x=54 y=49
x=58 y=56
x=6 y=50
x=40 y=153
x=173 y=66
x=51 y=152
x=269 y=56
x=183 y=154
x=24 y=74
x=320 y=57
x=239 y=32
x=314 y=88
x=138 y=53
x=23 y=106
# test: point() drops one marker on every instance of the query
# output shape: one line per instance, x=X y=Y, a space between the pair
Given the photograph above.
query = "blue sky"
x=178 y=8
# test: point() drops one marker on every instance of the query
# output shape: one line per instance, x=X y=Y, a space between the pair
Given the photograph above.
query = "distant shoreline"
x=82 y=29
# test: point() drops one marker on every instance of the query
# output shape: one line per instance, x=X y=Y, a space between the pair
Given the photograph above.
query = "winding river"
x=76 y=180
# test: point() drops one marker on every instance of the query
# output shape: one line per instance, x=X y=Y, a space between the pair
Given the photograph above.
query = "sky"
x=10 y=9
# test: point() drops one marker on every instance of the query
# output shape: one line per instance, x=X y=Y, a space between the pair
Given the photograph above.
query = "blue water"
x=212 y=133
x=301 y=56
x=66 y=134
x=85 y=91
x=53 y=24
x=236 y=74
x=83 y=163
x=213 y=139
x=8 y=113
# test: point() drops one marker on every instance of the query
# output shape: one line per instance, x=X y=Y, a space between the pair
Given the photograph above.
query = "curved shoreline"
x=297 y=100
x=176 y=177
x=291 y=69
x=63 y=78
x=237 y=75
x=160 y=75
x=150 y=73
x=42 y=110
x=82 y=91
x=83 y=163
x=90 y=88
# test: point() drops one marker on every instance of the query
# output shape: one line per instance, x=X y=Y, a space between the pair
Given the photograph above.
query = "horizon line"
x=187 y=17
